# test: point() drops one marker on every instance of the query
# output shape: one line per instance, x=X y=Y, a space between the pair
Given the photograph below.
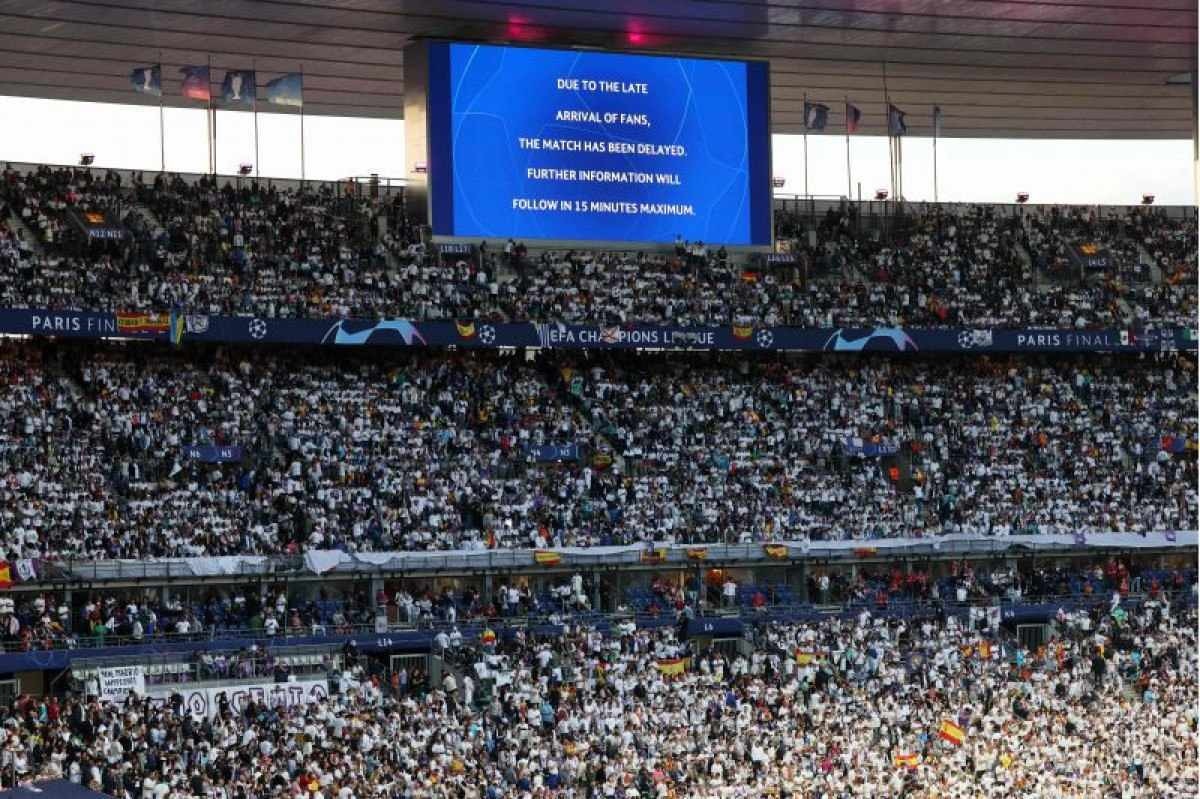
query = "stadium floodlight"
x=245 y=169
x=1022 y=197
x=881 y=194
x=86 y=159
x=1147 y=199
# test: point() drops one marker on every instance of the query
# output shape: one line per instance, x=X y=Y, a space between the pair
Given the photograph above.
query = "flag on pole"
x=815 y=115
x=147 y=80
x=853 y=115
x=287 y=90
x=952 y=733
x=896 y=124
x=195 y=83
x=238 y=87
x=937 y=121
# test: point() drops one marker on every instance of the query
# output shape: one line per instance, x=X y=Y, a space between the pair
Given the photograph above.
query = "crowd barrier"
x=321 y=562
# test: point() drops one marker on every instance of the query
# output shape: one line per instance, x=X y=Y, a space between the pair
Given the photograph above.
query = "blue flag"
x=195 y=85
x=147 y=80
x=815 y=115
x=896 y=124
x=287 y=90
x=238 y=87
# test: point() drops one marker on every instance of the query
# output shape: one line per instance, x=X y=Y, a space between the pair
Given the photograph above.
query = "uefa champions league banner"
x=180 y=328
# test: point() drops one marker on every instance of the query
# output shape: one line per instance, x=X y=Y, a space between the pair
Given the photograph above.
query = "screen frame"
x=439 y=194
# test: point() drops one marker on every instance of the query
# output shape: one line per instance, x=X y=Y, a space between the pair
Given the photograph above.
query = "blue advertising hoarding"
x=583 y=146
x=476 y=334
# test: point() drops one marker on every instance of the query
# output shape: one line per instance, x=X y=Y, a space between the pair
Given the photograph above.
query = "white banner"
x=203 y=701
x=117 y=682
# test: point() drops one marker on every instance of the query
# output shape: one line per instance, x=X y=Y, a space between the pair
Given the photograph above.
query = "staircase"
x=148 y=219
x=1152 y=268
x=24 y=233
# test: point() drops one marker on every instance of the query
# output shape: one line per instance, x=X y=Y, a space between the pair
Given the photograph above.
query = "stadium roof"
x=1005 y=68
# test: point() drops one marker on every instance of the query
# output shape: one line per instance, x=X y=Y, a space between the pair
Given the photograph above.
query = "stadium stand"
x=279 y=253
x=855 y=706
x=379 y=451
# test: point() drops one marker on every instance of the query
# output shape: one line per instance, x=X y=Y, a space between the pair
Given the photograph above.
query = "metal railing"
x=242 y=638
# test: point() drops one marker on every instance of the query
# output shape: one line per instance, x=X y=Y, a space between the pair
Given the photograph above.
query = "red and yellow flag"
x=654 y=555
x=806 y=656
x=544 y=557
x=6 y=580
x=907 y=760
x=697 y=553
x=949 y=731
x=776 y=551
x=672 y=667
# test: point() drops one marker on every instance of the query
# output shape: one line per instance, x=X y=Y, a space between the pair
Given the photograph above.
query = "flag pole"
x=805 y=113
x=887 y=102
x=254 y=108
x=935 y=138
x=212 y=126
x=846 y=104
x=301 y=126
x=162 y=128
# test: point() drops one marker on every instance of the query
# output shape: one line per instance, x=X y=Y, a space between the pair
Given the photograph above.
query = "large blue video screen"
x=581 y=146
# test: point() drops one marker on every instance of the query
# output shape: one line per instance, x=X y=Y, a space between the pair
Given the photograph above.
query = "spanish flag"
x=806 y=656
x=672 y=667
x=544 y=557
x=776 y=551
x=698 y=553
x=909 y=760
x=742 y=332
x=949 y=731
x=654 y=555
x=487 y=637
x=985 y=650
x=865 y=552
x=465 y=329
x=6 y=580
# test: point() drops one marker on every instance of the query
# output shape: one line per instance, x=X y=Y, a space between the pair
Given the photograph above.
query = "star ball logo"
x=258 y=329
x=974 y=338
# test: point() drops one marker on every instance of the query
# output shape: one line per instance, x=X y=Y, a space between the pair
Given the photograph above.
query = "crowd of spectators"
x=207 y=247
x=385 y=450
x=862 y=707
